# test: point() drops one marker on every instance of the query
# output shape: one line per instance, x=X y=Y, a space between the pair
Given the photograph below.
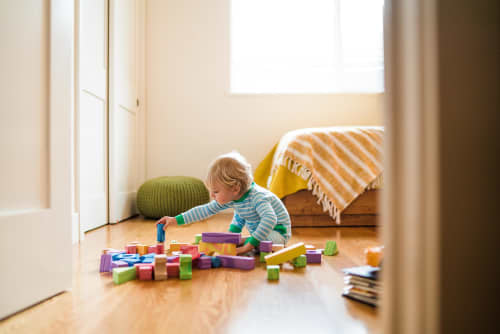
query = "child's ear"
x=236 y=189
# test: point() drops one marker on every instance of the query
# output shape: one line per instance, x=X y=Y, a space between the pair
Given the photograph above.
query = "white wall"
x=191 y=116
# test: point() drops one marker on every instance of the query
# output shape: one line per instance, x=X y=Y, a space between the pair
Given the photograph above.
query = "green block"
x=262 y=255
x=124 y=274
x=197 y=239
x=273 y=273
x=331 y=248
x=185 y=262
x=300 y=261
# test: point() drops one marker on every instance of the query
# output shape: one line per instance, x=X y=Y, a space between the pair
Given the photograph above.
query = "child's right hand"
x=166 y=221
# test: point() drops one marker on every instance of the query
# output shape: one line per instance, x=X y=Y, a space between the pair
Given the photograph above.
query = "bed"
x=328 y=176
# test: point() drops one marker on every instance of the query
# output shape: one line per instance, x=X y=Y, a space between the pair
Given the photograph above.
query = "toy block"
x=145 y=273
x=262 y=255
x=237 y=262
x=211 y=248
x=131 y=249
x=373 y=256
x=215 y=262
x=118 y=256
x=118 y=264
x=266 y=246
x=313 y=256
x=331 y=248
x=277 y=247
x=173 y=269
x=185 y=269
x=160 y=265
x=273 y=272
x=197 y=239
x=205 y=262
x=160 y=249
x=300 y=261
x=132 y=261
x=176 y=246
x=191 y=249
x=105 y=263
x=310 y=247
x=111 y=250
x=221 y=237
x=160 y=233
x=286 y=254
x=174 y=258
x=122 y=275
x=152 y=249
x=142 y=249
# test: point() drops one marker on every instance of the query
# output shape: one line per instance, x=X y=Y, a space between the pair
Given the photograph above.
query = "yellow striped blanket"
x=337 y=163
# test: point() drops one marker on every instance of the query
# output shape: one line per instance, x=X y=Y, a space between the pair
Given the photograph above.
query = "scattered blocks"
x=160 y=267
x=286 y=254
x=173 y=269
x=221 y=238
x=331 y=248
x=176 y=246
x=185 y=261
x=215 y=262
x=211 y=248
x=197 y=239
x=122 y=274
x=277 y=247
x=131 y=249
x=266 y=246
x=313 y=256
x=205 y=262
x=237 y=262
x=273 y=272
x=300 y=262
x=263 y=255
x=160 y=233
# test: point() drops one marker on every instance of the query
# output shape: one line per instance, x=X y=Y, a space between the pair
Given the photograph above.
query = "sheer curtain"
x=306 y=46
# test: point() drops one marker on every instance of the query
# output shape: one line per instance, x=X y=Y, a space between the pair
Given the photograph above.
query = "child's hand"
x=166 y=221
x=244 y=249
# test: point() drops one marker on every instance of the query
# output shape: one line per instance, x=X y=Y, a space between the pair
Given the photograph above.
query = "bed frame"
x=305 y=212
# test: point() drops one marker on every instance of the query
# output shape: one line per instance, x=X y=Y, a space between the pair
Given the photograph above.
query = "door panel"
x=35 y=145
x=93 y=113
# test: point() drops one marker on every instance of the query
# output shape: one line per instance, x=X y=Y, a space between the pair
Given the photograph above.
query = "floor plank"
x=215 y=301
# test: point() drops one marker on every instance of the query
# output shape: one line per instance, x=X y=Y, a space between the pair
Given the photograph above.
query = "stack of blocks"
x=265 y=248
x=185 y=261
x=160 y=267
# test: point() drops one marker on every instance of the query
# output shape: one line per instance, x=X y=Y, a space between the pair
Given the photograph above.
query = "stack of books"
x=362 y=284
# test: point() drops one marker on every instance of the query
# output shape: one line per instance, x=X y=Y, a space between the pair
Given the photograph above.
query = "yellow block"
x=176 y=246
x=286 y=254
x=224 y=249
x=277 y=247
x=142 y=249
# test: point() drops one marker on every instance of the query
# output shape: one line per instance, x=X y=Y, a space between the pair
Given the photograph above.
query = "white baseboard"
x=75 y=227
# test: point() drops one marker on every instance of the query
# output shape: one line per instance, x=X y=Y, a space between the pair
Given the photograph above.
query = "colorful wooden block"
x=277 y=247
x=118 y=264
x=197 y=239
x=273 y=272
x=313 y=256
x=286 y=254
x=331 y=248
x=152 y=249
x=185 y=269
x=131 y=249
x=176 y=246
x=124 y=274
x=191 y=249
x=205 y=262
x=266 y=246
x=105 y=263
x=221 y=237
x=263 y=255
x=173 y=269
x=142 y=249
x=160 y=249
x=300 y=262
x=160 y=267
x=215 y=262
x=237 y=262
x=145 y=273
x=160 y=233
x=211 y=248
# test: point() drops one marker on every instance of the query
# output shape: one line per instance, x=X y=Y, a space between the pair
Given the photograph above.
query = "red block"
x=145 y=273
x=191 y=249
x=131 y=249
x=152 y=249
x=160 y=249
x=173 y=269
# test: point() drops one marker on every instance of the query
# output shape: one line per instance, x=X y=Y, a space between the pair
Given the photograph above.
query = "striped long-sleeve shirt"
x=258 y=209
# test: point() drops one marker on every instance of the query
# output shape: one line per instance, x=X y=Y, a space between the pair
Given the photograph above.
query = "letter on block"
x=286 y=254
x=224 y=249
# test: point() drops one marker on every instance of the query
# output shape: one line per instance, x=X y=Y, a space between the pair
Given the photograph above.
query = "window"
x=306 y=46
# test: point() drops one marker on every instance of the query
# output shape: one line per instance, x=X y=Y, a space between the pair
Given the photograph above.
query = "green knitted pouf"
x=170 y=196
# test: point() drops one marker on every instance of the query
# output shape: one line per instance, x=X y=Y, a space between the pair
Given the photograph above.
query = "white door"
x=125 y=134
x=92 y=112
x=35 y=149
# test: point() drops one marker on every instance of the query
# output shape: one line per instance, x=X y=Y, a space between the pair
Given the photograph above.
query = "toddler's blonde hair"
x=230 y=169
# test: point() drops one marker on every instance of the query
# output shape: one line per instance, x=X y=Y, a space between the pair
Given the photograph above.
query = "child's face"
x=222 y=194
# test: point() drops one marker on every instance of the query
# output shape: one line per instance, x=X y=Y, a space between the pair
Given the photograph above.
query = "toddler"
x=231 y=185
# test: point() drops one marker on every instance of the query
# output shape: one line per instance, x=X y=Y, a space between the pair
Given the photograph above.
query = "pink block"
x=152 y=249
x=160 y=249
x=145 y=273
x=173 y=269
x=131 y=249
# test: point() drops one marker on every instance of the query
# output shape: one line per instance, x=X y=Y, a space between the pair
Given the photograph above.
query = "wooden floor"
x=215 y=301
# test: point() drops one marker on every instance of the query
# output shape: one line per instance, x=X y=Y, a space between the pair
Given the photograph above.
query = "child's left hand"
x=244 y=249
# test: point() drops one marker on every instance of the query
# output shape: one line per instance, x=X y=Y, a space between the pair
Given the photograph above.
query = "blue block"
x=148 y=260
x=160 y=233
x=147 y=256
x=131 y=262
x=215 y=262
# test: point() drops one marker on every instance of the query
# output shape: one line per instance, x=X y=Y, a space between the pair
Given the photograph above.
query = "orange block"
x=210 y=248
x=374 y=255
x=142 y=249
x=176 y=246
